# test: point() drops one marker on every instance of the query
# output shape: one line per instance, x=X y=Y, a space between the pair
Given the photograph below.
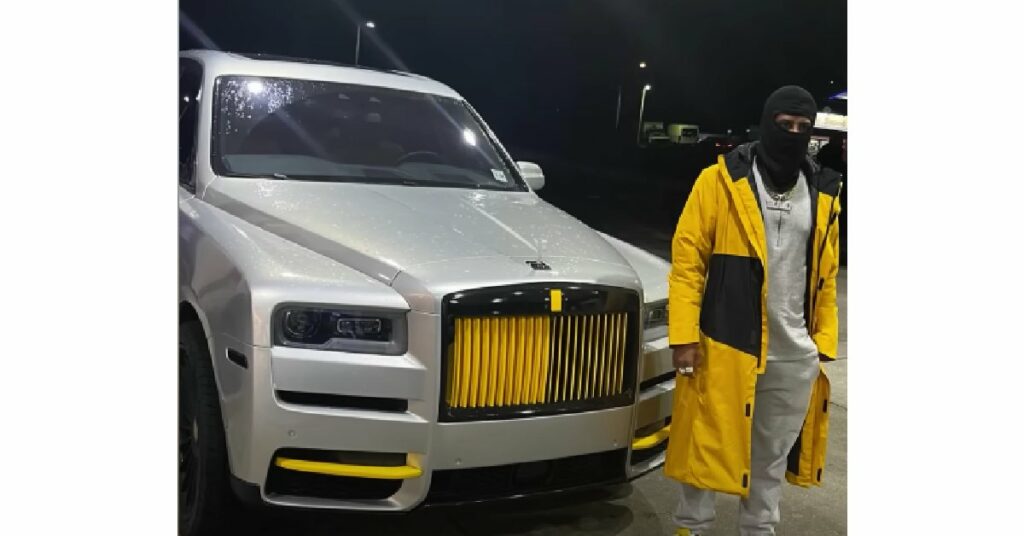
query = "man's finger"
x=686 y=367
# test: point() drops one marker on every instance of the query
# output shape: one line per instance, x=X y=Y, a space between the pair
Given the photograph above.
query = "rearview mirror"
x=532 y=174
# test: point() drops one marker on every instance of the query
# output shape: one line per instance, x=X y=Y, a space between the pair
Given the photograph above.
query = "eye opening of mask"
x=802 y=125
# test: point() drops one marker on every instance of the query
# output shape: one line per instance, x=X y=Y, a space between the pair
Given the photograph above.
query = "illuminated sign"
x=829 y=121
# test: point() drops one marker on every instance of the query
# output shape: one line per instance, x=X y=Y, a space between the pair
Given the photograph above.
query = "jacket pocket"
x=730 y=312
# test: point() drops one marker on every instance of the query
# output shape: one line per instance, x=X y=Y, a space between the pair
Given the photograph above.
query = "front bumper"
x=261 y=422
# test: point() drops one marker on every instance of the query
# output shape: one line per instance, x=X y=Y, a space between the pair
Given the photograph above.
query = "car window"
x=312 y=130
x=190 y=78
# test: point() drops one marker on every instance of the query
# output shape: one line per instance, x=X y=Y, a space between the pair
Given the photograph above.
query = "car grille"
x=501 y=361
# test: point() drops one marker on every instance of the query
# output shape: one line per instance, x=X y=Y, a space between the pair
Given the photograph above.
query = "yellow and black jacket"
x=717 y=297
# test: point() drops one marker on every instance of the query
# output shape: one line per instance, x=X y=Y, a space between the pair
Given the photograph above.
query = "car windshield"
x=312 y=130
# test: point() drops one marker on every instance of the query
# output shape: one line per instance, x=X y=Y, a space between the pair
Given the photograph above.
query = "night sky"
x=542 y=68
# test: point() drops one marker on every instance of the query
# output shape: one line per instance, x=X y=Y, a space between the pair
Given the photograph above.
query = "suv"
x=658 y=138
x=377 y=311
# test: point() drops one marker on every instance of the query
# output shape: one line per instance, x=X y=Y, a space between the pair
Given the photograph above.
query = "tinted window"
x=310 y=130
x=190 y=79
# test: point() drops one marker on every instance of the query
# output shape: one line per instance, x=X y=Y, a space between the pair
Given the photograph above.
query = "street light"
x=640 y=124
x=359 y=32
x=618 y=100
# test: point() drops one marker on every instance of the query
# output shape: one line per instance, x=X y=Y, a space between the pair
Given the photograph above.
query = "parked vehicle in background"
x=658 y=138
x=684 y=134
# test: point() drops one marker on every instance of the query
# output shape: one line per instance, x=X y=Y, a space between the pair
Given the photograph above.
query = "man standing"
x=752 y=310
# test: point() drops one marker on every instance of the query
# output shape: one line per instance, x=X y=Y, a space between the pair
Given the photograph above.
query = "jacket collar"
x=739 y=161
x=736 y=167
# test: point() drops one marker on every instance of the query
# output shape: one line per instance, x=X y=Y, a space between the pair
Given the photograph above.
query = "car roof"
x=218 y=63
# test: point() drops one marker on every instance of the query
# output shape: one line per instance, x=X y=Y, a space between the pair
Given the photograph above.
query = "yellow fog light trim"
x=358 y=471
x=651 y=441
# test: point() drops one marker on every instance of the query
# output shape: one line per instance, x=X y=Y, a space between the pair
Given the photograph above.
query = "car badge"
x=538 y=265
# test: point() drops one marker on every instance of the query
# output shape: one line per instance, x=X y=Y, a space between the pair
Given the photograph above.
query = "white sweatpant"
x=780 y=406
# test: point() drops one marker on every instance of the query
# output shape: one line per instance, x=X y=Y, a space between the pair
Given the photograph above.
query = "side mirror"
x=532 y=174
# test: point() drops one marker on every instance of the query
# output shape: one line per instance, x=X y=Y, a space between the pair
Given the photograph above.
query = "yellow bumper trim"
x=358 y=471
x=651 y=441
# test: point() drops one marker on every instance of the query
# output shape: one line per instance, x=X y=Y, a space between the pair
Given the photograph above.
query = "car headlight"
x=655 y=320
x=657 y=314
x=365 y=331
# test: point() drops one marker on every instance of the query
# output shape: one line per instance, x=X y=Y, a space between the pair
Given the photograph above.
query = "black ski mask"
x=782 y=152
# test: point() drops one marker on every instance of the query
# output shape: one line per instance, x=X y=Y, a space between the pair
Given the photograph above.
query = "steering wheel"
x=429 y=156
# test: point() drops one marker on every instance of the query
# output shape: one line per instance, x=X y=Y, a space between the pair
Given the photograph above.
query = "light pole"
x=618 y=100
x=359 y=33
x=640 y=124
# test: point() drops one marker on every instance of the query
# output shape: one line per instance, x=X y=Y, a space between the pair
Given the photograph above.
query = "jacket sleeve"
x=691 y=248
x=826 y=332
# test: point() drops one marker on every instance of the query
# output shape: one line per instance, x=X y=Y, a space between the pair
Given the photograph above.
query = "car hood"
x=384 y=230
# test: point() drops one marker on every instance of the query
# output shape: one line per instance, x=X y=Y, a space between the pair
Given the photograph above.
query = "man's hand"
x=686 y=358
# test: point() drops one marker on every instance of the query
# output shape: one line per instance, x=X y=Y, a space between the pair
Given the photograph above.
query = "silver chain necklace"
x=779 y=198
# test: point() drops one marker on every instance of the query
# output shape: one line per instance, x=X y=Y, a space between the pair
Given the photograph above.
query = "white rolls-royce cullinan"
x=377 y=311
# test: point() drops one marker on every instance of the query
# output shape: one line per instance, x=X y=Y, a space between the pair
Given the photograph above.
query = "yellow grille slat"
x=616 y=373
x=594 y=358
x=620 y=349
x=560 y=373
x=538 y=358
x=611 y=386
x=603 y=367
x=584 y=348
x=588 y=364
x=461 y=350
x=455 y=393
x=510 y=359
x=485 y=361
x=542 y=327
x=579 y=351
x=503 y=365
x=474 y=364
x=527 y=375
x=524 y=364
x=496 y=360
x=575 y=364
x=563 y=379
x=504 y=361
x=555 y=358
x=593 y=362
x=610 y=352
x=529 y=365
x=564 y=343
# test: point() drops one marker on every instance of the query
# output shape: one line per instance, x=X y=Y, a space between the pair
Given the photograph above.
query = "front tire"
x=203 y=488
